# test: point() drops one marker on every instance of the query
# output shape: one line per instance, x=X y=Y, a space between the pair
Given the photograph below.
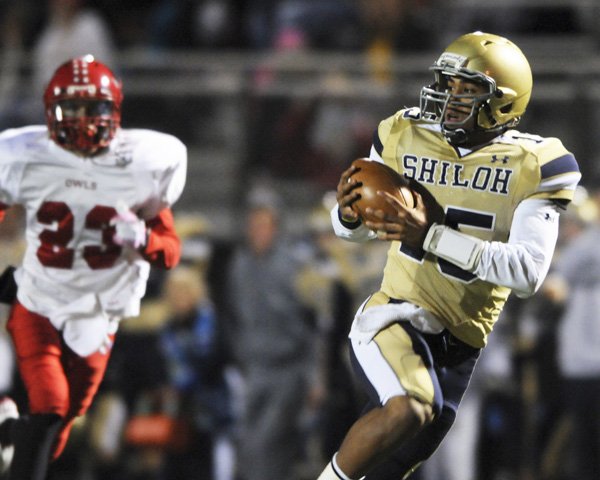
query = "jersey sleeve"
x=559 y=172
x=163 y=248
x=523 y=262
x=11 y=168
x=381 y=134
x=173 y=179
x=165 y=158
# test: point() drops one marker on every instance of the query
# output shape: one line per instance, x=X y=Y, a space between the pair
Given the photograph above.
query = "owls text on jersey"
x=480 y=191
x=69 y=202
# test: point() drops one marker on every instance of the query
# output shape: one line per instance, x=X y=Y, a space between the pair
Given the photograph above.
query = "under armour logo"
x=123 y=158
x=496 y=159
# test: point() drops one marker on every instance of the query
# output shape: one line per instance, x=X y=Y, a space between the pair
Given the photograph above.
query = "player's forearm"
x=163 y=248
x=521 y=264
x=519 y=267
x=356 y=232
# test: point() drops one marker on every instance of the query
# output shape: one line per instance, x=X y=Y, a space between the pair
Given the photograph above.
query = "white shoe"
x=8 y=409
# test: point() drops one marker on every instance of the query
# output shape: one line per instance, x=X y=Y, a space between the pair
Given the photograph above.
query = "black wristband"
x=347 y=224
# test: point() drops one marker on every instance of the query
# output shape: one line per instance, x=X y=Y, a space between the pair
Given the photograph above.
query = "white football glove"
x=129 y=229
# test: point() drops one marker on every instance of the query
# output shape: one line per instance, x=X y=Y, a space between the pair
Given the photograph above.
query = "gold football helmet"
x=491 y=61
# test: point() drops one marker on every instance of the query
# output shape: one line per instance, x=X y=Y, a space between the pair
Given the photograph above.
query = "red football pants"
x=57 y=380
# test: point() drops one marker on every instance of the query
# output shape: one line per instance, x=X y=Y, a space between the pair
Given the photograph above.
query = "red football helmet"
x=83 y=106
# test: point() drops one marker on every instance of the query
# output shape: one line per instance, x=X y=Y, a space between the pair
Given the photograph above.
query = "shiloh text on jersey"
x=493 y=179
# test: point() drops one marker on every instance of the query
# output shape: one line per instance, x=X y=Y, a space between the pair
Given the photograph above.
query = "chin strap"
x=456 y=137
x=461 y=138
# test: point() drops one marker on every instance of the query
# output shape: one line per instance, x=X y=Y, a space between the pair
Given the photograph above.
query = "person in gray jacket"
x=272 y=338
x=574 y=282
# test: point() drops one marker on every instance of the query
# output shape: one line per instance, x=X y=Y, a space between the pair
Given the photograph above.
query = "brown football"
x=376 y=176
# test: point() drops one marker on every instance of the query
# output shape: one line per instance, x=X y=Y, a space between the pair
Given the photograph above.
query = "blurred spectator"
x=134 y=387
x=259 y=22
x=522 y=428
x=393 y=27
x=323 y=25
x=273 y=338
x=12 y=248
x=575 y=282
x=138 y=391
x=535 y=414
x=326 y=285
x=403 y=25
x=196 y=355
x=528 y=18
x=485 y=440
x=19 y=22
x=310 y=137
x=188 y=23
x=73 y=29
x=218 y=24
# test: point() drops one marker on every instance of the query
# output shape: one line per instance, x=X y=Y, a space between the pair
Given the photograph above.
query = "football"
x=375 y=176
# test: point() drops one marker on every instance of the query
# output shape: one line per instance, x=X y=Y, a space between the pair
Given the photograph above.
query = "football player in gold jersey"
x=485 y=223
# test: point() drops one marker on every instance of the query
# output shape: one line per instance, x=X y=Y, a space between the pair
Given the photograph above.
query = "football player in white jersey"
x=98 y=202
x=488 y=199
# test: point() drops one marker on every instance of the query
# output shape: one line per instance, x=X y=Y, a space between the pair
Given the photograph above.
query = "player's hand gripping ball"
x=374 y=177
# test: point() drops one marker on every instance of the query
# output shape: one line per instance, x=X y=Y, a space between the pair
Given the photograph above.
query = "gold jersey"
x=479 y=191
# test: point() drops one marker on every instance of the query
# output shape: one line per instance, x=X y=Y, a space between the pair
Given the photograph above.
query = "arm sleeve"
x=374 y=155
x=523 y=262
x=163 y=248
x=352 y=232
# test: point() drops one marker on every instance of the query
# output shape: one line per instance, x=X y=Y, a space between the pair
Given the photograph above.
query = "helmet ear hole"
x=487 y=110
x=507 y=108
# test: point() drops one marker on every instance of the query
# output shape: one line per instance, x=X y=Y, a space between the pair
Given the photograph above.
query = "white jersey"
x=71 y=263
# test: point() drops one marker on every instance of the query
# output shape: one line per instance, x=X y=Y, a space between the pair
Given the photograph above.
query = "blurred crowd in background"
x=263 y=24
x=237 y=368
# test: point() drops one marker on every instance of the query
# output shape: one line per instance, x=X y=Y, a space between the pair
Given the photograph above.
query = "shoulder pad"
x=558 y=168
x=153 y=150
x=391 y=123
